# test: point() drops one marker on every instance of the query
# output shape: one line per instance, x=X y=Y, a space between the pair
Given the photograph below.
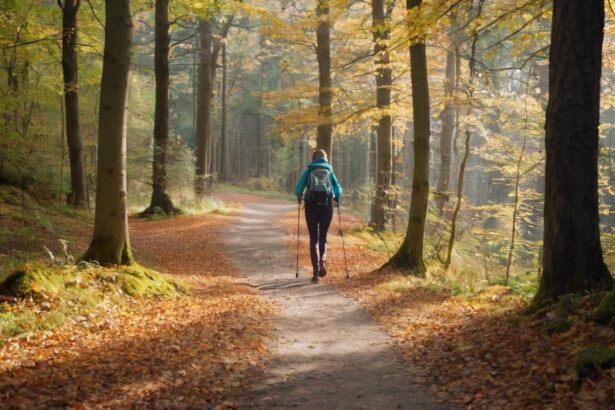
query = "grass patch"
x=211 y=205
x=254 y=190
x=50 y=296
x=386 y=241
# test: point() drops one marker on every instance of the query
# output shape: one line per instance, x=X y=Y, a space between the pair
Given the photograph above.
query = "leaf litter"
x=197 y=350
x=478 y=351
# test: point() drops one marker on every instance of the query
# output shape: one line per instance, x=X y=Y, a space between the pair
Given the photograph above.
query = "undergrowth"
x=467 y=276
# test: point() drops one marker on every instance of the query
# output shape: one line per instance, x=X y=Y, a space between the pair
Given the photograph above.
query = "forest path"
x=327 y=352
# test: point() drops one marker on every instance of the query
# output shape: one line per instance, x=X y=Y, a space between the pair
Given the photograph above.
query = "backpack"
x=319 y=186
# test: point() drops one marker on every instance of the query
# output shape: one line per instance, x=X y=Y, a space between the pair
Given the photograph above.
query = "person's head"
x=319 y=154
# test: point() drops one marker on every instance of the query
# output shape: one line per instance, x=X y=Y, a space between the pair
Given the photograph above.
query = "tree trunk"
x=325 y=92
x=572 y=260
x=204 y=97
x=223 y=164
x=160 y=198
x=409 y=256
x=78 y=196
x=460 y=180
x=208 y=51
x=110 y=244
x=449 y=128
x=380 y=217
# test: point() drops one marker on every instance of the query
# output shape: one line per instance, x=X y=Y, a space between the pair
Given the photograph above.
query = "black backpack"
x=319 y=186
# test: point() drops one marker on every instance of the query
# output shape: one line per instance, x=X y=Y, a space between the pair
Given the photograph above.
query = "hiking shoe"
x=323 y=269
x=314 y=279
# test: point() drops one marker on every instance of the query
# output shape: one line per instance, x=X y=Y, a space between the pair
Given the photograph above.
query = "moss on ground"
x=34 y=280
x=605 y=312
x=136 y=280
x=592 y=360
x=559 y=325
x=566 y=305
x=48 y=296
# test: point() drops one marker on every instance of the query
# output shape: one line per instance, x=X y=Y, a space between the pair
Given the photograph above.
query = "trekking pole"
x=298 y=232
x=339 y=215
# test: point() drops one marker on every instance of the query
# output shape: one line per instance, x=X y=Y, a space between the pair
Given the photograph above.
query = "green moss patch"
x=48 y=296
x=138 y=281
x=605 y=312
x=560 y=325
x=32 y=280
x=592 y=360
x=38 y=280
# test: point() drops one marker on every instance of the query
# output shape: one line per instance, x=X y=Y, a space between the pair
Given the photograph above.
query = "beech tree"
x=110 y=244
x=78 y=196
x=409 y=256
x=160 y=198
x=572 y=257
x=325 y=92
x=380 y=26
x=204 y=96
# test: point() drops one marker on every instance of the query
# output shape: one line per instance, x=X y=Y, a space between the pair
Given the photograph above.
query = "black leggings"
x=318 y=219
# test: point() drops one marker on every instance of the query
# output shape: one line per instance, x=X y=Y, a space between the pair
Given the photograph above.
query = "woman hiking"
x=321 y=190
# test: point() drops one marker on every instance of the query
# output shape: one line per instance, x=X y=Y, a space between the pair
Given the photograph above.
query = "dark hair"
x=319 y=153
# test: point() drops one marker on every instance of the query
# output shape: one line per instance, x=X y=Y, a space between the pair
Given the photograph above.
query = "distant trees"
x=209 y=49
x=78 y=196
x=572 y=257
x=409 y=256
x=449 y=117
x=160 y=197
x=223 y=167
x=110 y=243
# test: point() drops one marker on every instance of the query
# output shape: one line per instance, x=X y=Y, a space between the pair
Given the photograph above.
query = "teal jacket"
x=319 y=163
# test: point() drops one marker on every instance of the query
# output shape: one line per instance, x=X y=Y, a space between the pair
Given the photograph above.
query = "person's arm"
x=301 y=185
x=337 y=188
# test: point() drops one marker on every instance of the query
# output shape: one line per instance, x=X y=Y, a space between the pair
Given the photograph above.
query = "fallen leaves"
x=195 y=351
x=477 y=352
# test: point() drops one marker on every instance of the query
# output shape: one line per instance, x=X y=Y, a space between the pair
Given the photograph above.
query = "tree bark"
x=572 y=260
x=160 y=198
x=325 y=92
x=110 y=243
x=204 y=97
x=78 y=196
x=379 y=215
x=409 y=256
x=449 y=128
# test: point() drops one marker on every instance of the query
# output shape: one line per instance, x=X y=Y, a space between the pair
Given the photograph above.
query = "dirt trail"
x=328 y=353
